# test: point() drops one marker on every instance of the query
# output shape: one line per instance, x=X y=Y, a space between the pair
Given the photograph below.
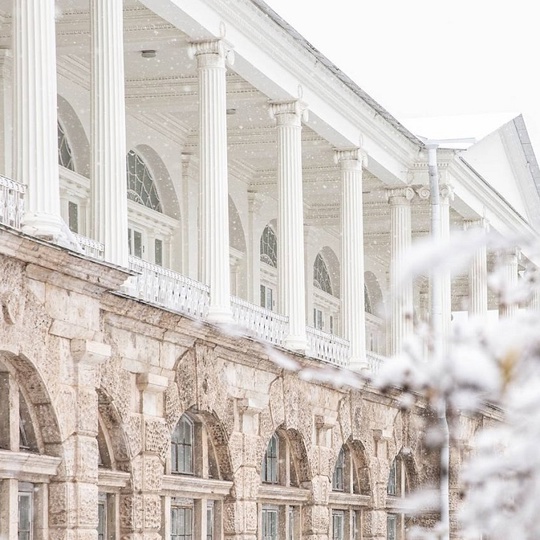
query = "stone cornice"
x=51 y=263
x=191 y=486
x=27 y=467
x=279 y=494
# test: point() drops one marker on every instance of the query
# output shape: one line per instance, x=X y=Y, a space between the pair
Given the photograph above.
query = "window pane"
x=137 y=244
x=181 y=523
x=337 y=525
x=158 y=252
x=209 y=522
x=182 y=446
x=25 y=516
x=391 y=527
x=102 y=520
x=73 y=216
x=140 y=182
x=321 y=277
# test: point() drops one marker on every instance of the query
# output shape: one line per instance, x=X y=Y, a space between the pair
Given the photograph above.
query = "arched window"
x=65 y=156
x=338 y=478
x=321 y=277
x=140 y=183
x=270 y=465
x=269 y=246
x=367 y=301
x=182 y=446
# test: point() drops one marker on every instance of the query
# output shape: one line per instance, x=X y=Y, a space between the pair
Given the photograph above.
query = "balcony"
x=11 y=202
x=173 y=291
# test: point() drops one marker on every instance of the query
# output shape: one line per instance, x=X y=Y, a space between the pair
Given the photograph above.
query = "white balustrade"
x=263 y=323
x=328 y=347
x=375 y=361
x=91 y=248
x=169 y=289
x=11 y=202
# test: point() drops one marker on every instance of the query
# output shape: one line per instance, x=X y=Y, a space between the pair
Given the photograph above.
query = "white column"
x=401 y=318
x=211 y=57
x=446 y=195
x=190 y=219
x=353 y=316
x=291 y=278
x=35 y=152
x=108 y=163
x=478 y=303
x=508 y=268
x=253 y=248
x=6 y=68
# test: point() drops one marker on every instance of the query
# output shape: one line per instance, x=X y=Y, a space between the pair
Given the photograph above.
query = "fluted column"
x=508 y=268
x=478 y=303
x=353 y=308
x=401 y=317
x=108 y=164
x=6 y=74
x=211 y=57
x=291 y=277
x=35 y=152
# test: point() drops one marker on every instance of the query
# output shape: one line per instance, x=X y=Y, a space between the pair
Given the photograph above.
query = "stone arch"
x=298 y=448
x=237 y=238
x=361 y=465
x=76 y=136
x=41 y=410
x=162 y=180
x=116 y=439
x=374 y=293
x=411 y=467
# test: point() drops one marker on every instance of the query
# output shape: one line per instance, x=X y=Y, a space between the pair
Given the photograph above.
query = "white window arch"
x=140 y=182
x=65 y=154
x=321 y=276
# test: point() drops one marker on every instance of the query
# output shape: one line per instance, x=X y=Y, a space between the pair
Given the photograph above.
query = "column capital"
x=423 y=192
x=288 y=113
x=402 y=195
x=447 y=193
x=350 y=158
x=211 y=53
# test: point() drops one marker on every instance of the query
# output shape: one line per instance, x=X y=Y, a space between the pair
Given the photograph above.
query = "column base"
x=358 y=364
x=49 y=227
x=219 y=315
x=296 y=343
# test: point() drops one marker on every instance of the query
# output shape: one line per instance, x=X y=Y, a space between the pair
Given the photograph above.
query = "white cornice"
x=27 y=467
x=190 y=486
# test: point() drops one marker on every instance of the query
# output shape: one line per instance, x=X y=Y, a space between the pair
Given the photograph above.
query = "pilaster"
x=108 y=191
x=35 y=149
x=401 y=319
x=291 y=276
x=353 y=317
x=73 y=512
x=211 y=57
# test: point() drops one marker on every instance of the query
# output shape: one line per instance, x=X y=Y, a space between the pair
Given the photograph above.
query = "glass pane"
x=209 y=523
x=321 y=277
x=391 y=527
x=137 y=244
x=25 y=516
x=158 y=252
x=102 y=520
x=73 y=216
x=263 y=296
x=140 y=182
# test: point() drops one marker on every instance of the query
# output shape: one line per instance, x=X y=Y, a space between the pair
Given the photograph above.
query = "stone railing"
x=91 y=248
x=375 y=334
x=327 y=347
x=375 y=361
x=11 y=202
x=168 y=289
x=261 y=322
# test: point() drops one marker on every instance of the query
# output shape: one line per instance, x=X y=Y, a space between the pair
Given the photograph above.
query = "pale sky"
x=433 y=58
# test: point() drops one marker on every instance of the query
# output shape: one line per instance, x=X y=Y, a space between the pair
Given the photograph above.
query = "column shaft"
x=353 y=315
x=35 y=151
x=108 y=164
x=291 y=276
x=213 y=177
x=401 y=317
x=478 y=304
x=509 y=272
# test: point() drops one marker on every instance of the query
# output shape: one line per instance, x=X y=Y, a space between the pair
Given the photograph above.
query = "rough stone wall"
x=82 y=352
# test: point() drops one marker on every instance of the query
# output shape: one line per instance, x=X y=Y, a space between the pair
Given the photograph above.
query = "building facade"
x=202 y=222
